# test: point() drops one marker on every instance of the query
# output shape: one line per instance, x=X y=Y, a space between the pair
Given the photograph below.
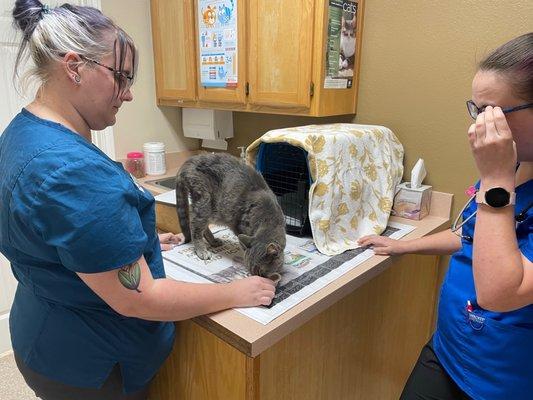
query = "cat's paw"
x=203 y=254
x=216 y=242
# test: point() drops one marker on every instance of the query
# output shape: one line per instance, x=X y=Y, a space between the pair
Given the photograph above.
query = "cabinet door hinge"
x=312 y=89
x=247 y=89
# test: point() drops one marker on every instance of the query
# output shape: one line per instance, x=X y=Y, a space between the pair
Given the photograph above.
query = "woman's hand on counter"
x=384 y=246
x=170 y=240
x=441 y=243
x=252 y=291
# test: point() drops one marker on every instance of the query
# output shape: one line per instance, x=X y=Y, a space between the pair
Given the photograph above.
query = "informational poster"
x=217 y=22
x=341 y=44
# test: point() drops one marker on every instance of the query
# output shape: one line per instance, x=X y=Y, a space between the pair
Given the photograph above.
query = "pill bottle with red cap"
x=135 y=164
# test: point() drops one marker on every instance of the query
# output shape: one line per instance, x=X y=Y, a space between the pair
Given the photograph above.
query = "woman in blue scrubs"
x=483 y=345
x=88 y=318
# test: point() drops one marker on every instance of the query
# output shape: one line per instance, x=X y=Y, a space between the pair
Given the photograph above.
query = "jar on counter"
x=135 y=164
x=154 y=155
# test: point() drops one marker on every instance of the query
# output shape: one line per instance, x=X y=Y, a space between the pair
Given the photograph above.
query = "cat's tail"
x=182 y=208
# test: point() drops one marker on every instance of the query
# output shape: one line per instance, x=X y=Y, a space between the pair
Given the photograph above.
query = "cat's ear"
x=245 y=241
x=273 y=249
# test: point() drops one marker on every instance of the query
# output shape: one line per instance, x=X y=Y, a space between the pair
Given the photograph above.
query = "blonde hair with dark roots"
x=49 y=33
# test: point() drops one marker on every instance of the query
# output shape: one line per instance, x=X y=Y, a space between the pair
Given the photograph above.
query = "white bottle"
x=154 y=158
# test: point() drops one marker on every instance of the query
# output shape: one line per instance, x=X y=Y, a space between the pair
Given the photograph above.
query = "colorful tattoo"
x=130 y=276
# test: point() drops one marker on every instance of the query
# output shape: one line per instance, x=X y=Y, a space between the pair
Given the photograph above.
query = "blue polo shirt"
x=65 y=207
x=488 y=354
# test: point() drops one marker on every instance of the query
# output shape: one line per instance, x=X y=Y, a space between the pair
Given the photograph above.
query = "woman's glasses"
x=124 y=80
x=474 y=110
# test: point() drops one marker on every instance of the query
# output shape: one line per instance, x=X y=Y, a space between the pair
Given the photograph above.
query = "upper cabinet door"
x=237 y=93
x=174 y=49
x=280 y=52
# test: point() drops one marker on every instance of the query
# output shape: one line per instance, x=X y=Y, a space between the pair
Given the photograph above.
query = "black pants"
x=47 y=389
x=429 y=380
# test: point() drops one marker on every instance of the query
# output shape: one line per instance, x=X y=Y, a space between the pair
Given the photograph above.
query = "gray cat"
x=223 y=190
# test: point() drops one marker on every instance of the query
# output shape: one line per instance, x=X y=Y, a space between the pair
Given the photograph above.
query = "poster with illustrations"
x=217 y=31
x=341 y=46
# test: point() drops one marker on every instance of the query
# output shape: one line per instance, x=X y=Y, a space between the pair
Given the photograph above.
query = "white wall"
x=141 y=120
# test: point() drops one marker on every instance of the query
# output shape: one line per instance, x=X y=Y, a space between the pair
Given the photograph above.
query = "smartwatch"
x=496 y=197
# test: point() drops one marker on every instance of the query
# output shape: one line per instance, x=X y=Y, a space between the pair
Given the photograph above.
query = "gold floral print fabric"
x=355 y=169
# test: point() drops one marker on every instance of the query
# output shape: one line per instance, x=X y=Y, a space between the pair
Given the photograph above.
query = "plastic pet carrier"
x=286 y=172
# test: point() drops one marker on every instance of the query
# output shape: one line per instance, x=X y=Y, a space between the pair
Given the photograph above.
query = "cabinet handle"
x=247 y=89
x=311 y=89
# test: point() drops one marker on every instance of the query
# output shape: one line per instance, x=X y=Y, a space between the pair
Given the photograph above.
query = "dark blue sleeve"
x=526 y=244
x=87 y=210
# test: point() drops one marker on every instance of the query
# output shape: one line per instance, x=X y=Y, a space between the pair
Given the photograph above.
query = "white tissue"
x=418 y=173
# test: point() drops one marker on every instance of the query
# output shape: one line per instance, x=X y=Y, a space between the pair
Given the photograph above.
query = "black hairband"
x=45 y=9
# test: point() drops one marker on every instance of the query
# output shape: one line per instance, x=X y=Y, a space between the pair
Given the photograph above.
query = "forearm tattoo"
x=130 y=276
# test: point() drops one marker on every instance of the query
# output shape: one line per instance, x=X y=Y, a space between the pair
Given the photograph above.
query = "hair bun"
x=27 y=14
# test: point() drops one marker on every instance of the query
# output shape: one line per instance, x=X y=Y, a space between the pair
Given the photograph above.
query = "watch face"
x=497 y=197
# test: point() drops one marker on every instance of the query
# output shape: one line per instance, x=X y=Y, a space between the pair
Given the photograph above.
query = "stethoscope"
x=521 y=217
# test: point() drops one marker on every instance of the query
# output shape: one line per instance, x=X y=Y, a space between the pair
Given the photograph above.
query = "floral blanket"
x=355 y=170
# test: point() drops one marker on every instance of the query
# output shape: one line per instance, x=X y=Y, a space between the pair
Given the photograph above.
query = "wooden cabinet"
x=174 y=50
x=280 y=53
x=281 y=59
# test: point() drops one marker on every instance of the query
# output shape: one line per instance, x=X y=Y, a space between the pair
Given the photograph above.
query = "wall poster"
x=341 y=44
x=217 y=31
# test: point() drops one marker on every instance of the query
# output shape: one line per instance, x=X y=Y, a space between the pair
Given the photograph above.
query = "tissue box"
x=411 y=203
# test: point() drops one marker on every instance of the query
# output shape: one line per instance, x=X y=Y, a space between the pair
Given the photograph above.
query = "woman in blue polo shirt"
x=88 y=316
x=483 y=345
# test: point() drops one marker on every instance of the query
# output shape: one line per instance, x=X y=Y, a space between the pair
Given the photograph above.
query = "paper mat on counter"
x=305 y=271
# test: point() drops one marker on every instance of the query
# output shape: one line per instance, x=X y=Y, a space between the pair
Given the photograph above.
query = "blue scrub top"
x=65 y=207
x=488 y=354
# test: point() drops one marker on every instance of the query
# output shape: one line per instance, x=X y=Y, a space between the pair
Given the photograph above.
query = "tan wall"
x=141 y=120
x=418 y=61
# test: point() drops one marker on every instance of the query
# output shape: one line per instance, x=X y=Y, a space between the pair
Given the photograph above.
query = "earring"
x=77 y=79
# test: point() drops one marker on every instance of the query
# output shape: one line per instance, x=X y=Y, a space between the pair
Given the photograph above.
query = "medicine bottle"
x=135 y=164
x=154 y=158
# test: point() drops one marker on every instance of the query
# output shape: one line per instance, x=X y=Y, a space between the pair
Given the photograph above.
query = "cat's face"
x=263 y=259
x=348 y=27
x=209 y=16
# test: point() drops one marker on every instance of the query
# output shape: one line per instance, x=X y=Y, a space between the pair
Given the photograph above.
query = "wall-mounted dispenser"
x=213 y=126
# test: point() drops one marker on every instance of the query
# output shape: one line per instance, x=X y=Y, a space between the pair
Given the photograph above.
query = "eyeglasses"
x=124 y=80
x=474 y=110
x=456 y=225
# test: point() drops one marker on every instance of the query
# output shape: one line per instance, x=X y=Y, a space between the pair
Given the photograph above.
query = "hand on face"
x=493 y=147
